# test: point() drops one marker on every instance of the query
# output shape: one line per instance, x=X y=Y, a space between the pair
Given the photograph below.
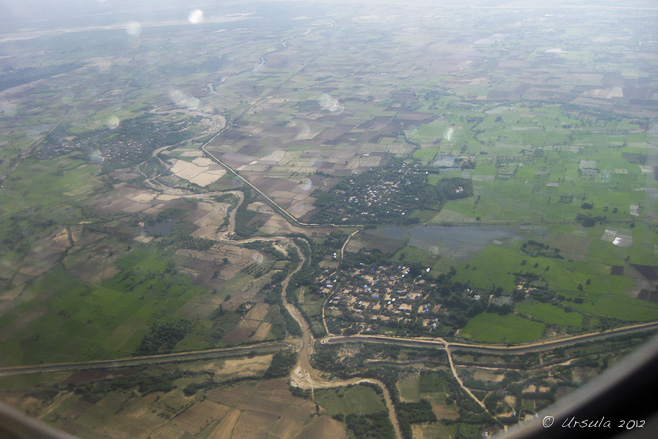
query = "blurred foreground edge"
x=17 y=425
x=624 y=393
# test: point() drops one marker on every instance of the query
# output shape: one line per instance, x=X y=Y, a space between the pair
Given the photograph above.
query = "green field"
x=106 y=320
x=408 y=388
x=493 y=328
x=549 y=313
x=619 y=307
x=358 y=400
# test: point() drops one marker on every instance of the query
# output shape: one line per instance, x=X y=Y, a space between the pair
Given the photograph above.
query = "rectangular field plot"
x=200 y=415
x=253 y=425
x=359 y=400
x=571 y=246
x=549 y=313
x=494 y=328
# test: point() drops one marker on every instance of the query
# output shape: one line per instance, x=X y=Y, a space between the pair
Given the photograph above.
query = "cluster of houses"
x=381 y=295
x=375 y=195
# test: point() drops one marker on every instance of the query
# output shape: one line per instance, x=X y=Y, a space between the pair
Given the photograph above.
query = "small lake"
x=445 y=161
x=457 y=241
x=161 y=228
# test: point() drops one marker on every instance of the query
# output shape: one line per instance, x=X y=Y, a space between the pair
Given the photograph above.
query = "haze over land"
x=416 y=218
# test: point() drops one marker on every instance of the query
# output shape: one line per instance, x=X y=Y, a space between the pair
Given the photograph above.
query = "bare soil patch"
x=291 y=422
x=226 y=425
x=167 y=431
x=200 y=415
x=324 y=428
x=230 y=395
x=253 y=425
x=486 y=375
x=244 y=367
x=258 y=312
x=444 y=412
x=245 y=329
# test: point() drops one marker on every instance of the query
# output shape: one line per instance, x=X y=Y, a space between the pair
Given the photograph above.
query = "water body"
x=161 y=228
x=445 y=161
x=457 y=241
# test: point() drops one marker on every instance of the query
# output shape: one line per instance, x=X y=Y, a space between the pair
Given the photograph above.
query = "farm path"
x=453 y=369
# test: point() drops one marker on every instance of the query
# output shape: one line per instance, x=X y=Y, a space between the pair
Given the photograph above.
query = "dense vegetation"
x=386 y=195
x=131 y=142
x=144 y=384
x=246 y=223
x=372 y=426
x=164 y=337
x=273 y=292
x=535 y=249
x=282 y=363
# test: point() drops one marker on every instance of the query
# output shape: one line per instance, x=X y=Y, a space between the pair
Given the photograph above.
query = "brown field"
x=245 y=367
x=138 y=409
x=113 y=402
x=258 y=312
x=226 y=426
x=262 y=331
x=239 y=335
x=486 y=375
x=45 y=254
x=323 y=428
x=253 y=425
x=203 y=265
x=88 y=266
x=444 y=412
x=252 y=327
x=280 y=385
x=200 y=415
x=292 y=421
x=253 y=402
x=167 y=431
x=135 y=421
x=230 y=395
x=269 y=404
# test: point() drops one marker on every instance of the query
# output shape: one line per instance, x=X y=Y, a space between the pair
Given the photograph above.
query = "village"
x=384 y=195
x=364 y=299
x=389 y=298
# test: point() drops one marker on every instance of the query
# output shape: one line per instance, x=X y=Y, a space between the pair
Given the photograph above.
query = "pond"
x=161 y=228
x=457 y=241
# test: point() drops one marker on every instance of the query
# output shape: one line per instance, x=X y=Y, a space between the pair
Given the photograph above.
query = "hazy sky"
x=23 y=14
